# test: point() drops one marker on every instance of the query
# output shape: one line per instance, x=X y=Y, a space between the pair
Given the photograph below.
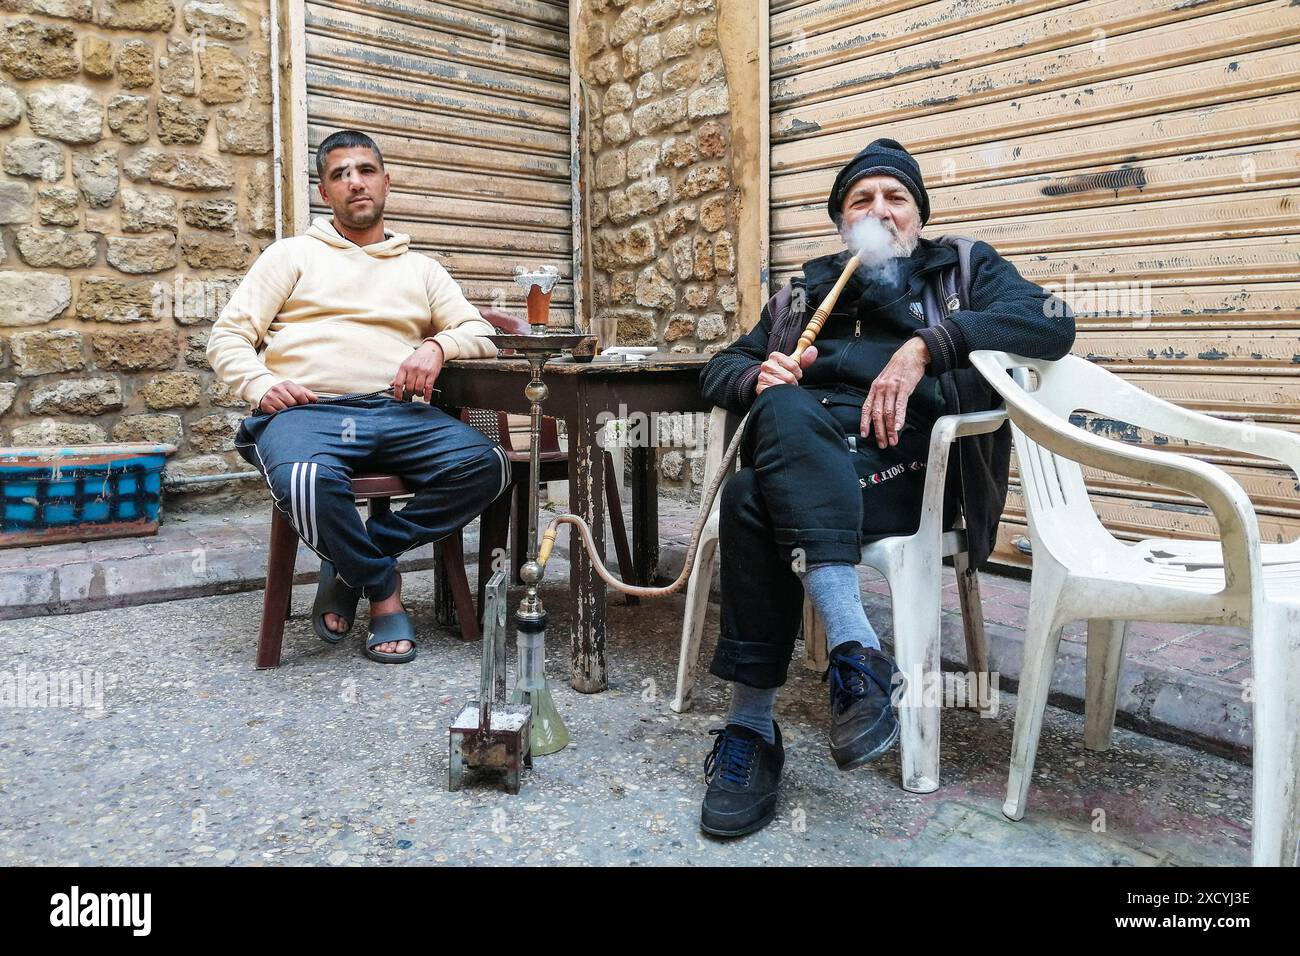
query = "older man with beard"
x=327 y=337
x=834 y=452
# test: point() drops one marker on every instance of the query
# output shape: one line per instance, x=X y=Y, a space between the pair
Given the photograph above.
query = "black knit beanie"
x=884 y=157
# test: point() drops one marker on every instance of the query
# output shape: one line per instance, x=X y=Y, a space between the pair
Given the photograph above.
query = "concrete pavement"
x=195 y=758
x=1188 y=684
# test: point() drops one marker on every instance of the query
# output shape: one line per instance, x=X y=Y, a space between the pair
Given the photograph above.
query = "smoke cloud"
x=879 y=248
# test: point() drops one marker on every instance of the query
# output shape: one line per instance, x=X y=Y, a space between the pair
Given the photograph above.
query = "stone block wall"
x=661 y=199
x=135 y=190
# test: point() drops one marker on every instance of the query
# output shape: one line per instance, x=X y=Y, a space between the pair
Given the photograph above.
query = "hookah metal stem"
x=806 y=338
x=534 y=452
x=530 y=608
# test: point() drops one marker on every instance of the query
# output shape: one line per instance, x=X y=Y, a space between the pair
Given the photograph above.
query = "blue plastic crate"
x=79 y=492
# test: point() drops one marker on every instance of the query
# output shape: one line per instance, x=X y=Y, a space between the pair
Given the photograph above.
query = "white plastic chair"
x=912 y=564
x=1081 y=571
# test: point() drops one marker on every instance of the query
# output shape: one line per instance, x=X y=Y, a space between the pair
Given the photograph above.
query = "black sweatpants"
x=802 y=496
x=309 y=453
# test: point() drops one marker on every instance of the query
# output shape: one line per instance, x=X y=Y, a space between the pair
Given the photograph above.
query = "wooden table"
x=585 y=396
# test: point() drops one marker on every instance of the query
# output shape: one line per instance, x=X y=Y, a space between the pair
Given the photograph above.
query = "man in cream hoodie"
x=327 y=337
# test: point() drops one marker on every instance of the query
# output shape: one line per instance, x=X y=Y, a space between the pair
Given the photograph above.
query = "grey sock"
x=833 y=589
x=753 y=707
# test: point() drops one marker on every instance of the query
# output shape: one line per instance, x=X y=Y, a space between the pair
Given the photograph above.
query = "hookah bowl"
x=538 y=284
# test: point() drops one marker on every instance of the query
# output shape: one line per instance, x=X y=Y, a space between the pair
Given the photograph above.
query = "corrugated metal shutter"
x=1109 y=141
x=469 y=102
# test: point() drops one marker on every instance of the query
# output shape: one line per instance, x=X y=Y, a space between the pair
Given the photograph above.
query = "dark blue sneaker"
x=743 y=771
x=864 y=724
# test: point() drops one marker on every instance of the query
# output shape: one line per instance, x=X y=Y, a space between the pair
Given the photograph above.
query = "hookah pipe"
x=806 y=339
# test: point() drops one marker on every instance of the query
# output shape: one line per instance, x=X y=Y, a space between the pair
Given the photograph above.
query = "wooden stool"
x=377 y=491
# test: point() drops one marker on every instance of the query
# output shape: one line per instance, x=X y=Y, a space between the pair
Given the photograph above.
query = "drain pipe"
x=277 y=154
x=182 y=481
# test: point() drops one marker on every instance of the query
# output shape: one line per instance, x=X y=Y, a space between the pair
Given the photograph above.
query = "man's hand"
x=781 y=369
x=285 y=395
x=418 y=373
x=885 y=410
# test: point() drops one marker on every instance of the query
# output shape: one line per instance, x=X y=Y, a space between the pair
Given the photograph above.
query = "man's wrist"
x=436 y=344
x=267 y=391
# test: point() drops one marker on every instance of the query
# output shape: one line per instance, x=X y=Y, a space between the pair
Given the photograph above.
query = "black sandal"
x=333 y=597
x=390 y=628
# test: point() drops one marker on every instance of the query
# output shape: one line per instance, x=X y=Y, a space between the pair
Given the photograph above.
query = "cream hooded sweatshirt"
x=338 y=318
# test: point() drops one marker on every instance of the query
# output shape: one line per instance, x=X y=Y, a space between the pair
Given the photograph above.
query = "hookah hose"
x=806 y=339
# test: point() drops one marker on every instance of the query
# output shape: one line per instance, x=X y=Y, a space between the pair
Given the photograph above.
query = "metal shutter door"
x=1110 y=142
x=469 y=103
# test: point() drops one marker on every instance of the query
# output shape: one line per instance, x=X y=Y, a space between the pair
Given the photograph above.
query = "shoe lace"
x=846 y=674
x=732 y=756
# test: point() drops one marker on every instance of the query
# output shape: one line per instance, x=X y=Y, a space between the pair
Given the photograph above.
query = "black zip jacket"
x=999 y=310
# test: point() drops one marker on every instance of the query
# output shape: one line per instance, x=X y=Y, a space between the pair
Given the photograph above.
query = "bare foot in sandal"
x=336 y=623
x=390 y=605
x=335 y=605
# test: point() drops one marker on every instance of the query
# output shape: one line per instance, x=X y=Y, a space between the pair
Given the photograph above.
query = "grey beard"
x=904 y=247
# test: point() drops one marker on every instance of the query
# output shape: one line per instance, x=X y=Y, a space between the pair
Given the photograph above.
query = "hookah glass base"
x=548 y=734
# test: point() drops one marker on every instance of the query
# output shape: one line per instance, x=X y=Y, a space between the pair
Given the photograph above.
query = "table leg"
x=645 y=514
x=444 y=607
x=586 y=589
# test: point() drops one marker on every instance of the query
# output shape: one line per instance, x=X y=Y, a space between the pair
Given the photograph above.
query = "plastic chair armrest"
x=948 y=429
x=1227 y=500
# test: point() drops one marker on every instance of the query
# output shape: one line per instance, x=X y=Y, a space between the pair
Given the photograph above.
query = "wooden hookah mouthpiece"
x=814 y=326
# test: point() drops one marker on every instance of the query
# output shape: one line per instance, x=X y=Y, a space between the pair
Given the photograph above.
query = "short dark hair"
x=344 y=139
